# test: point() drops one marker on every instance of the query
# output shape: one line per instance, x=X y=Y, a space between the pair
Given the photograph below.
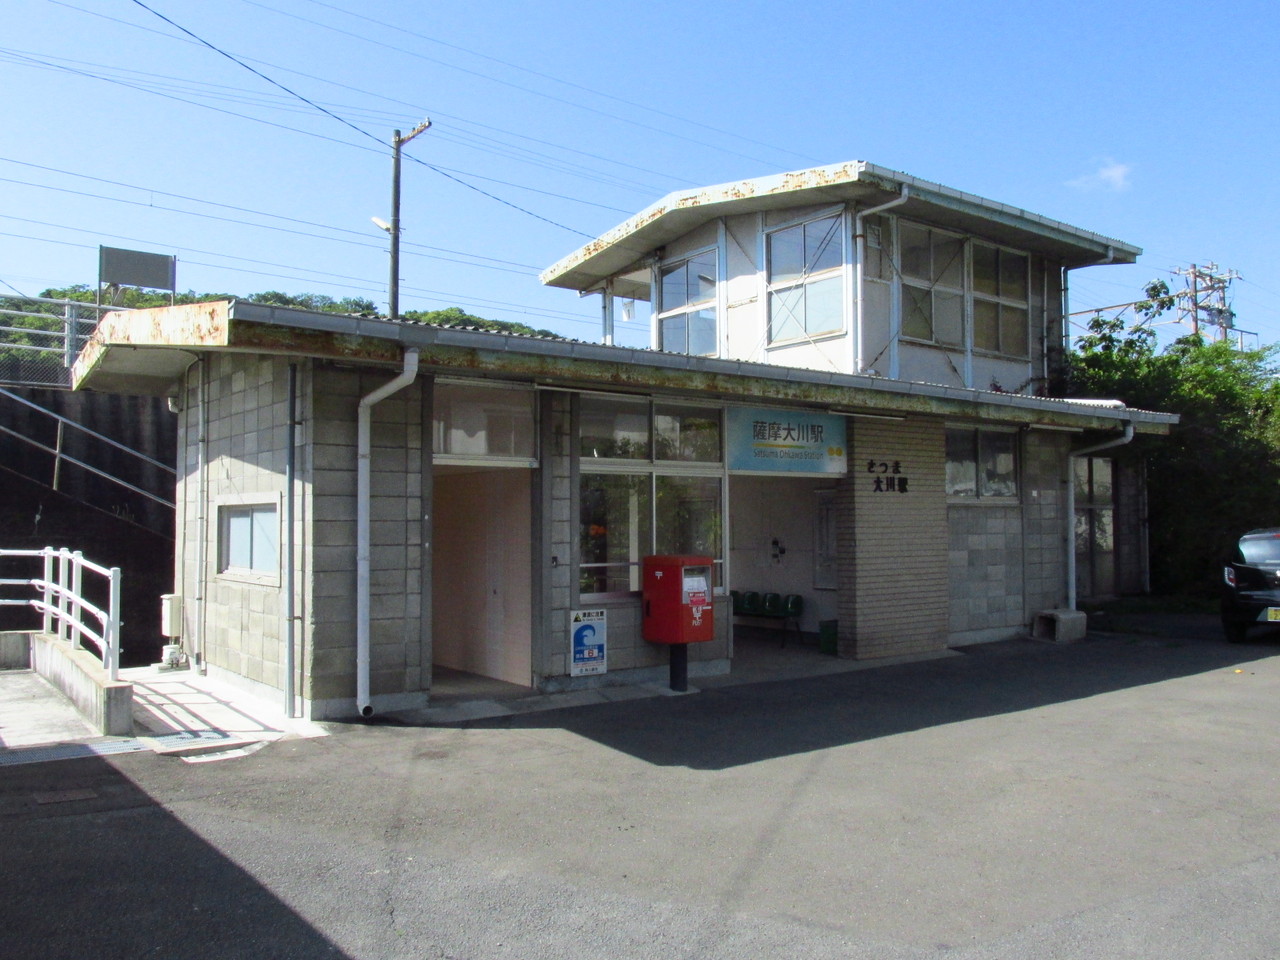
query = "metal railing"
x=40 y=338
x=62 y=604
x=63 y=423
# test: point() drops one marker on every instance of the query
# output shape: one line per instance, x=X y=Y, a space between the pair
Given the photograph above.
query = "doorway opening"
x=481 y=583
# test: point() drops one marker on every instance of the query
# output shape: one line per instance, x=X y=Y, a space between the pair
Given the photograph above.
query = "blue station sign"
x=761 y=440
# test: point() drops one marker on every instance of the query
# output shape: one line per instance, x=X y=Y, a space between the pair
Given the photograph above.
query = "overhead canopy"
x=626 y=245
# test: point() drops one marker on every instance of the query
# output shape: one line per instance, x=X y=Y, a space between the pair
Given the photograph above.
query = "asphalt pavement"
x=1109 y=799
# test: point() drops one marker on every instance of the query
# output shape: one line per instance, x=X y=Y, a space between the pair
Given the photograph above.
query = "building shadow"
x=95 y=867
x=728 y=726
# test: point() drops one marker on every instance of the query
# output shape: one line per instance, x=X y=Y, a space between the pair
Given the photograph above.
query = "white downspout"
x=1071 y=503
x=363 y=451
x=860 y=239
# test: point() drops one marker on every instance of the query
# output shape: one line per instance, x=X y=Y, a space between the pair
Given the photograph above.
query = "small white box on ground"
x=1060 y=626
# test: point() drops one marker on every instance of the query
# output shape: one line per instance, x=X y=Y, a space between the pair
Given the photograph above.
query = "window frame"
x=1001 y=302
x=690 y=307
x=838 y=272
x=653 y=471
x=969 y=296
x=930 y=287
x=976 y=435
x=228 y=508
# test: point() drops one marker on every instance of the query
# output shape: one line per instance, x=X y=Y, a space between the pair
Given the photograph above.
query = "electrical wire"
x=365 y=133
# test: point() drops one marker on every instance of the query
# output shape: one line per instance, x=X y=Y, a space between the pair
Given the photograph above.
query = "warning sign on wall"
x=588 y=642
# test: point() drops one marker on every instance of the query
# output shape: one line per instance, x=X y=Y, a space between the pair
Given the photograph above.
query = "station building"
x=847 y=395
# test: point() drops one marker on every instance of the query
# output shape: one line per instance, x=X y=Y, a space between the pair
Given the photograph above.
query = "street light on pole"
x=393 y=228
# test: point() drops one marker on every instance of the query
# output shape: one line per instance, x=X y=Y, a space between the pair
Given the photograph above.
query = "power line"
x=364 y=133
x=516 y=86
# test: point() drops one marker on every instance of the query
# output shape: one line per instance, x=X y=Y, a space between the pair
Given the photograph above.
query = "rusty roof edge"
x=183 y=326
x=498 y=345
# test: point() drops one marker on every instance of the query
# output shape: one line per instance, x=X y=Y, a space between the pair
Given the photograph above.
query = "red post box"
x=676 y=591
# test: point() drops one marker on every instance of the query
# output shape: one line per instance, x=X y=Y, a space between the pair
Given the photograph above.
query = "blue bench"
x=769 y=606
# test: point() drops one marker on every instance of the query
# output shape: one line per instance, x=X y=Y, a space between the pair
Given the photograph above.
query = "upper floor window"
x=806 y=282
x=936 y=280
x=687 y=318
x=932 y=285
x=1000 y=301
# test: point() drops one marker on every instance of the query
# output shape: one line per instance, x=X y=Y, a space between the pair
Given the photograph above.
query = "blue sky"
x=1154 y=123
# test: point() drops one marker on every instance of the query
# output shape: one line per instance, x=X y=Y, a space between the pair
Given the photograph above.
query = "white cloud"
x=1110 y=175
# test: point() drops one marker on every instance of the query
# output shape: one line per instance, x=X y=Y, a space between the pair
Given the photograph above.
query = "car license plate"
x=1273 y=613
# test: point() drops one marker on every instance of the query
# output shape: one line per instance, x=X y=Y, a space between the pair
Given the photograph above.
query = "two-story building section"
x=846 y=398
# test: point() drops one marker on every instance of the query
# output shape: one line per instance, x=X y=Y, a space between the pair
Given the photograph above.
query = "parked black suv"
x=1251 y=583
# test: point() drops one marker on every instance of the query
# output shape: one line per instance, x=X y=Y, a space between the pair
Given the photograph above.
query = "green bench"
x=769 y=606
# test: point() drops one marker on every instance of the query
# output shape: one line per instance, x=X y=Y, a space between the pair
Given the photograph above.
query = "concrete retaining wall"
x=15 y=650
x=79 y=674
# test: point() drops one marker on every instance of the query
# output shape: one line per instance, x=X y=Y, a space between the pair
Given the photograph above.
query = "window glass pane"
x=479 y=421
x=615 y=530
x=1101 y=481
x=1013 y=331
x=675 y=286
x=691 y=434
x=266 y=539
x=877 y=237
x=822 y=305
x=1080 y=477
x=688 y=510
x=916 y=261
x=702 y=333
x=785 y=313
x=948 y=261
x=673 y=333
x=1013 y=276
x=239 y=545
x=962 y=468
x=702 y=277
x=986 y=325
x=786 y=254
x=948 y=317
x=997 y=476
x=917 y=313
x=985 y=270
x=614 y=428
x=822 y=245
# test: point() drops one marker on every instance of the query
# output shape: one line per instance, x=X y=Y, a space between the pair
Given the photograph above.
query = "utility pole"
x=1206 y=299
x=393 y=228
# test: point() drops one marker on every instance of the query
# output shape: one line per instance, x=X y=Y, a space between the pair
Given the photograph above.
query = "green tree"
x=1217 y=474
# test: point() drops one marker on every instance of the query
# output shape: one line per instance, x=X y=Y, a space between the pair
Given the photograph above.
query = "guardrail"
x=40 y=338
x=61 y=601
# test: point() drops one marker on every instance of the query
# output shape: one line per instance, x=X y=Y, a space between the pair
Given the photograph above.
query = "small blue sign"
x=786 y=441
x=589 y=642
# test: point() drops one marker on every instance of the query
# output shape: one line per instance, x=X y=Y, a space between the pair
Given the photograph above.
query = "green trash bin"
x=828 y=632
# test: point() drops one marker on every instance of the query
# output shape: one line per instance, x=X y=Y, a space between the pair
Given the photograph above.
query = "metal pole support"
x=680 y=667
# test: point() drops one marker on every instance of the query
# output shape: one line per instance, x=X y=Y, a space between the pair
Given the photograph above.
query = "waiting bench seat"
x=769 y=606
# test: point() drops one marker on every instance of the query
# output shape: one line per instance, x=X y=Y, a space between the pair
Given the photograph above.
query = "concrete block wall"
x=893 y=544
x=559 y=524
x=1044 y=472
x=1006 y=560
x=246 y=410
x=400 y=668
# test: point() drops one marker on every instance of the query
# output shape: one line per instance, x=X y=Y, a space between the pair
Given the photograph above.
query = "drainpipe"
x=202 y=521
x=290 y=554
x=363 y=450
x=860 y=283
x=1071 y=503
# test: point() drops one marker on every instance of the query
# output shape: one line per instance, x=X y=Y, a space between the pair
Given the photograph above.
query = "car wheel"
x=1234 y=630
